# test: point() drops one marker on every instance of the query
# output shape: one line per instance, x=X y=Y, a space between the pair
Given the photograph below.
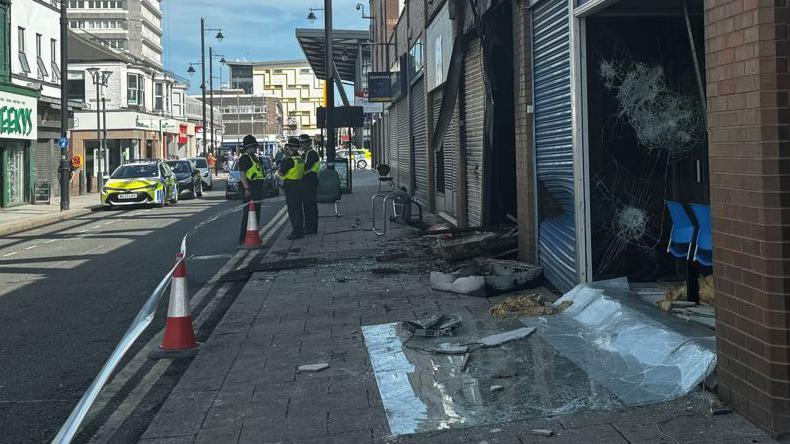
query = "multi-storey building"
x=148 y=113
x=134 y=26
x=244 y=114
x=291 y=81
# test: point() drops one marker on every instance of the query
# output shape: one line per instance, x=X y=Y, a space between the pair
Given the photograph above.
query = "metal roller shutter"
x=474 y=112
x=450 y=147
x=418 y=125
x=43 y=161
x=554 y=141
x=393 y=142
x=404 y=145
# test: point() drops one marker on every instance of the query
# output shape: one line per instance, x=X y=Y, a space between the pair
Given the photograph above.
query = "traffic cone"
x=253 y=238
x=179 y=333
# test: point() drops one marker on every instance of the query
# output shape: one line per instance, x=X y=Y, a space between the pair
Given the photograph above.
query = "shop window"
x=24 y=66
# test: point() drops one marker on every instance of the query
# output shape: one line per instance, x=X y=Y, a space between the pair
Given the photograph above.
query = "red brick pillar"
x=749 y=141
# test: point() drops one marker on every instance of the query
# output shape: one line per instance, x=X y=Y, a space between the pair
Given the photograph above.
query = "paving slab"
x=244 y=386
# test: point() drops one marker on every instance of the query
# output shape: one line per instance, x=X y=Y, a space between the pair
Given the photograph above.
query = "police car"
x=140 y=182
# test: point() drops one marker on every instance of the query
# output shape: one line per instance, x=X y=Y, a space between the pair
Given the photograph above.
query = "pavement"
x=307 y=304
x=25 y=217
x=70 y=289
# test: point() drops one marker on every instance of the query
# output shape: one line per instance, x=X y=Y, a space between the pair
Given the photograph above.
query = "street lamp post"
x=100 y=79
x=219 y=37
x=211 y=99
x=65 y=167
x=330 y=78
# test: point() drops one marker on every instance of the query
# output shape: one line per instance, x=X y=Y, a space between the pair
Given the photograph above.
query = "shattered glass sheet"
x=639 y=353
x=426 y=391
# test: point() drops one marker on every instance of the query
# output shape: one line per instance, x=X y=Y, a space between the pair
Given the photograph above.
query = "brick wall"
x=749 y=137
x=525 y=179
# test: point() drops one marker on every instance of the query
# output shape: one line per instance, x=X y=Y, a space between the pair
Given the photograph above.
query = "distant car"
x=206 y=175
x=234 y=189
x=188 y=177
x=362 y=158
x=141 y=182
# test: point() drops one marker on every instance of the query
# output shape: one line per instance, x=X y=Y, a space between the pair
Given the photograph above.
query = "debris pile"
x=675 y=301
x=487 y=278
x=527 y=305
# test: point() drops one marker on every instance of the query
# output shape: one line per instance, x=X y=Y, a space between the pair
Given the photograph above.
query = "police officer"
x=292 y=171
x=252 y=175
x=312 y=163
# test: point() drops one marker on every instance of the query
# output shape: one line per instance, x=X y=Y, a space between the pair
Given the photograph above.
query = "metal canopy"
x=344 y=42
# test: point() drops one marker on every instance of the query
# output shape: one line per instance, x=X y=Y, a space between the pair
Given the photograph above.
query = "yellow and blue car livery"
x=140 y=184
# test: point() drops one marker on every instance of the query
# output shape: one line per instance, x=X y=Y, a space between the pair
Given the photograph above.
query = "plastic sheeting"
x=640 y=354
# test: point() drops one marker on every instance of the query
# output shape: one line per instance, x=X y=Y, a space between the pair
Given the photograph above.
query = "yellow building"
x=292 y=81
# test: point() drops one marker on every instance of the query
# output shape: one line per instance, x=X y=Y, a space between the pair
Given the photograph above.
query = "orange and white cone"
x=179 y=333
x=253 y=238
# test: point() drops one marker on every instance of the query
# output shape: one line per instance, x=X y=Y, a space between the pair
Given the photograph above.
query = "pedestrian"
x=211 y=161
x=292 y=170
x=252 y=175
x=312 y=163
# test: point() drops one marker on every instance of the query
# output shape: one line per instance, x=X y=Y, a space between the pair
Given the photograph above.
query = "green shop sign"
x=18 y=117
x=16 y=121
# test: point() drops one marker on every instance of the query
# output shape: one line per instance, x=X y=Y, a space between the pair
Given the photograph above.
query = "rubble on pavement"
x=527 y=305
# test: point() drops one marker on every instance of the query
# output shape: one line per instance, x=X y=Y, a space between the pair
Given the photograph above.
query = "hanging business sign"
x=18 y=117
x=379 y=87
x=182 y=134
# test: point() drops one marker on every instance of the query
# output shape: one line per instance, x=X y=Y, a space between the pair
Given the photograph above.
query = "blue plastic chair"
x=703 y=252
x=681 y=237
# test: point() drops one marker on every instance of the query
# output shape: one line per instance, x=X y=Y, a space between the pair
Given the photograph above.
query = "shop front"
x=18 y=130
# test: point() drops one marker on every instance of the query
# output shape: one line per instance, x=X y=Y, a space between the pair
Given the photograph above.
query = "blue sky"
x=253 y=29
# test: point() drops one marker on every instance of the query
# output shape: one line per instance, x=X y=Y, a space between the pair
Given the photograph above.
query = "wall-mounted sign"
x=18 y=117
x=379 y=87
x=182 y=134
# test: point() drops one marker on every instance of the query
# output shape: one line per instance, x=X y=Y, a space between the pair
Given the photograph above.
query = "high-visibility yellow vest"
x=255 y=172
x=317 y=165
x=296 y=172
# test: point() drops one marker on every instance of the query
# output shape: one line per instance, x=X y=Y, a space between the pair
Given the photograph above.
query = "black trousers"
x=256 y=194
x=309 y=204
x=293 y=199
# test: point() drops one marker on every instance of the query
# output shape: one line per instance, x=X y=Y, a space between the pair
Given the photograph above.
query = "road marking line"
x=119 y=416
x=9 y=254
x=31 y=247
x=50 y=241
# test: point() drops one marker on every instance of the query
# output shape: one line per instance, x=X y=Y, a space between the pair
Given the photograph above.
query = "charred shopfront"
x=619 y=122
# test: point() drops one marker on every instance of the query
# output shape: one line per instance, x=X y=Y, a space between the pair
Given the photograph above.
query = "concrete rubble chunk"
x=312 y=368
x=495 y=388
x=501 y=338
x=541 y=432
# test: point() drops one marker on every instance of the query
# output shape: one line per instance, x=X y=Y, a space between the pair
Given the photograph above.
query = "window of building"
x=305 y=70
x=76 y=81
x=53 y=51
x=42 y=67
x=5 y=71
x=133 y=85
x=22 y=56
x=241 y=78
x=159 y=96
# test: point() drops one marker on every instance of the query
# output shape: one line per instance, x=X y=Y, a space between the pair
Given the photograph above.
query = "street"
x=68 y=292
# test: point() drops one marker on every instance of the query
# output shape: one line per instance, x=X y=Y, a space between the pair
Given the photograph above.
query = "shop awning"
x=345 y=49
